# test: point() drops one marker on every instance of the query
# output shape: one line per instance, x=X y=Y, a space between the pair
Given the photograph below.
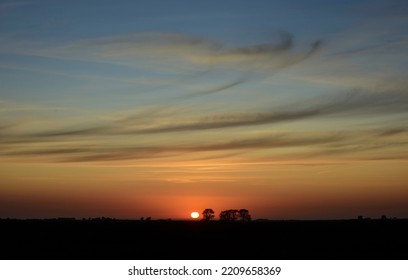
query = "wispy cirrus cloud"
x=183 y=57
x=105 y=153
x=159 y=121
x=343 y=106
x=103 y=141
x=191 y=54
x=193 y=48
x=197 y=52
x=350 y=144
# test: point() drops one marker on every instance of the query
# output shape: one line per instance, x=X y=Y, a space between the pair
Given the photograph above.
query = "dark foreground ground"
x=118 y=239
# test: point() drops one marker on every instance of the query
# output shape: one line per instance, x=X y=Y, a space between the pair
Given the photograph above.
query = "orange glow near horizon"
x=283 y=192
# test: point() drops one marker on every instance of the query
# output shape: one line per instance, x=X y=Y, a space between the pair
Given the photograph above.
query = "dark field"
x=123 y=239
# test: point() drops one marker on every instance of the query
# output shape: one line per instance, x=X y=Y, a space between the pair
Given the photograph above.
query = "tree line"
x=227 y=215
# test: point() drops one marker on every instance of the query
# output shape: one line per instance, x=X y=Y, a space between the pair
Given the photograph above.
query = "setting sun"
x=194 y=215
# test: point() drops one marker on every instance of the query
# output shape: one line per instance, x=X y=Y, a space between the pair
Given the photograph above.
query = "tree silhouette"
x=229 y=215
x=223 y=216
x=244 y=215
x=208 y=214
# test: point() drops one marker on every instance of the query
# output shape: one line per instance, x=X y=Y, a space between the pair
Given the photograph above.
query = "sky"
x=129 y=109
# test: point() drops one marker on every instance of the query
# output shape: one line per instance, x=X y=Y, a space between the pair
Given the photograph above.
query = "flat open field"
x=125 y=239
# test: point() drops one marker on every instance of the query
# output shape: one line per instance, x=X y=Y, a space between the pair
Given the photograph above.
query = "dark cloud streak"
x=216 y=89
x=323 y=145
x=351 y=104
x=285 y=44
x=135 y=153
x=392 y=132
x=354 y=103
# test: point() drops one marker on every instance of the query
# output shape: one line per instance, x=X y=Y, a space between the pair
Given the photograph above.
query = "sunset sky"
x=128 y=109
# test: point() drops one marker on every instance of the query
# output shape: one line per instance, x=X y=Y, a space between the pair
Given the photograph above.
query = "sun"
x=194 y=215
